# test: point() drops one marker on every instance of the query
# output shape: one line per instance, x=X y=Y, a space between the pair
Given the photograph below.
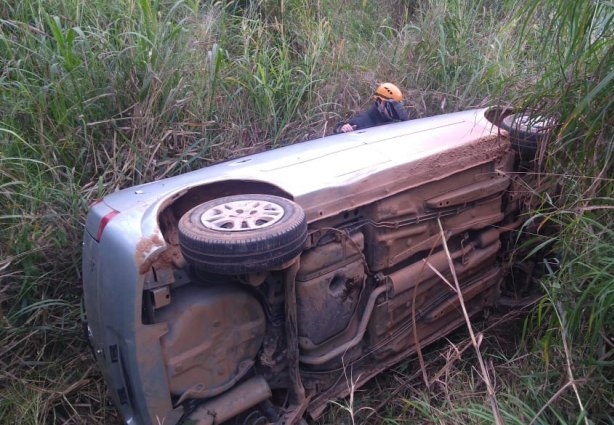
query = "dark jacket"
x=373 y=117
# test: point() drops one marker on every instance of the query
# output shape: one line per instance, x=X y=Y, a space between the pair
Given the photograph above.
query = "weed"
x=94 y=98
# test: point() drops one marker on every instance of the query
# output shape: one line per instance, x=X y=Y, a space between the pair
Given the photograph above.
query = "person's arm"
x=363 y=119
x=357 y=122
x=396 y=110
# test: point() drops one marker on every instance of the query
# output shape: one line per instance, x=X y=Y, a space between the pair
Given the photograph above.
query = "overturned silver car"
x=246 y=290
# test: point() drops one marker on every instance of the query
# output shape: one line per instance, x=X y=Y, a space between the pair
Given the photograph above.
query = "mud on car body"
x=245 y=290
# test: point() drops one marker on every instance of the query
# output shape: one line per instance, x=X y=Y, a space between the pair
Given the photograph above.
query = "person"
x=387 y=108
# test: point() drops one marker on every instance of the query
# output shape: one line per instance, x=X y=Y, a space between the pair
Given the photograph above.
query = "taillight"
x=103 y=223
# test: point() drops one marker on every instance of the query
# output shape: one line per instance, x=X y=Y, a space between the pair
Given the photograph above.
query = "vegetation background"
x=97 y=96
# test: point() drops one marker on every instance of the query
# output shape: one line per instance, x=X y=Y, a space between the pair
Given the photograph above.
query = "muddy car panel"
x=173 y=340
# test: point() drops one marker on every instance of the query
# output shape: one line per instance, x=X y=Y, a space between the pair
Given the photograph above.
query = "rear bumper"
x=127 y=352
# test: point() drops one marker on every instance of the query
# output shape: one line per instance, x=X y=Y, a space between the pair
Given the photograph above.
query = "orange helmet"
x=387 y=91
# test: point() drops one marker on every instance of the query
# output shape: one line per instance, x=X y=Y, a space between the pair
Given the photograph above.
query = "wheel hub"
x=238 y=216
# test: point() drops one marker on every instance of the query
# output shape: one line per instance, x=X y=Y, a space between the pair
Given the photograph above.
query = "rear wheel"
x=526 y=131
x=242 y=233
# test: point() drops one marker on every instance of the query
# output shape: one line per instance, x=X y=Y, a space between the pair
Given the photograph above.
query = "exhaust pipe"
x=234 y=401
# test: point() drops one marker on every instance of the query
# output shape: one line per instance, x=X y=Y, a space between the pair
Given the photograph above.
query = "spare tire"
x=242 y=233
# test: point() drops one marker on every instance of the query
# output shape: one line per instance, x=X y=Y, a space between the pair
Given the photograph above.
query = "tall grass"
x=576 y=86
x=96 y=97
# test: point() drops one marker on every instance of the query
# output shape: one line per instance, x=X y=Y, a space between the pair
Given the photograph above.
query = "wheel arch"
x=169 y=216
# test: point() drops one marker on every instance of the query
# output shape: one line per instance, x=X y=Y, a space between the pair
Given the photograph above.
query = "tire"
x=221 y=236
x=526 y=131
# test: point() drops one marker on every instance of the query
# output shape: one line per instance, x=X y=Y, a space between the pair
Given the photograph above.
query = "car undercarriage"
x=255 y=305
